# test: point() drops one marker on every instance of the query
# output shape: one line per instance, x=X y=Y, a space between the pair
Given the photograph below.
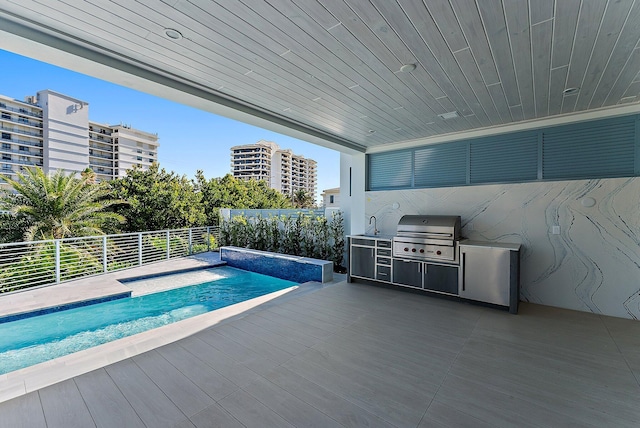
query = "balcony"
x=20 y=131
x=22 y=121
x=22 y=162
x=104 y=149
x=23 y=142
x=95 y=162
x=20 y=152
x=100 y=138
x=23 y=111
x=92 y=154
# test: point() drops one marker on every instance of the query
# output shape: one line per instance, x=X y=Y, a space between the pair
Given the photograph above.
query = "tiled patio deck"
x=357 y=355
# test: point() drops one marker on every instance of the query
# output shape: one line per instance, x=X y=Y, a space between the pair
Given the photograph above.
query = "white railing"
x=37 y=263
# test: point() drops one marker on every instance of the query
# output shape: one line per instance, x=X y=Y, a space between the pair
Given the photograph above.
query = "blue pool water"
x=41 y=338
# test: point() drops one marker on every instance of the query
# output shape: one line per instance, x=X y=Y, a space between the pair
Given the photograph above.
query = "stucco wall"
x=593 y=264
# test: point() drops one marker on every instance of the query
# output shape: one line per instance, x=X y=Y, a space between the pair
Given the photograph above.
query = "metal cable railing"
x=37 y=263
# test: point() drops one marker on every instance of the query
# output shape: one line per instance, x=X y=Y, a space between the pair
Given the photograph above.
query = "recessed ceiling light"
x=570 y=91
x=372 y=131
x=408 y=68
x=172 y=34
x=448 y=115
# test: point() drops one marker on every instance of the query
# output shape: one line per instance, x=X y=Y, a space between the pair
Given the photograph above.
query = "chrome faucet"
x=375 y=227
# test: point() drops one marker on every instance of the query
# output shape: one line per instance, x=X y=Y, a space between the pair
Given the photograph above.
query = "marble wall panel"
x=592 y=265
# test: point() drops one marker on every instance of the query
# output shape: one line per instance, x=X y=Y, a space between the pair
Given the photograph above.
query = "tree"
x=157 y=199
x=13 y=227
x=89 y=176
x=230 y=192
x=302 y=199
x=59 y=206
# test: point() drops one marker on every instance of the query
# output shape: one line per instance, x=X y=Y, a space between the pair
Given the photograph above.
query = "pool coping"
x=64 y=307
x=173 y=272
x=95 y=287
x=92 y=301
x=29 y=379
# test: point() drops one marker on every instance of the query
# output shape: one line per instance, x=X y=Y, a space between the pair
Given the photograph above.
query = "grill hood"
x=446 y=227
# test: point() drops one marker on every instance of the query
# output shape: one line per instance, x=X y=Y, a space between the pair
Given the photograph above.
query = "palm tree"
x=302 y=199
x=89 y=176
x=59 y=205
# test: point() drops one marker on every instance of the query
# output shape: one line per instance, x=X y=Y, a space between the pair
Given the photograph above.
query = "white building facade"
x=331 y=198
x=53 y=131
x=281 y=168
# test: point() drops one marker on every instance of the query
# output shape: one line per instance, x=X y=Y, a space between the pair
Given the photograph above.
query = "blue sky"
x=190 y=139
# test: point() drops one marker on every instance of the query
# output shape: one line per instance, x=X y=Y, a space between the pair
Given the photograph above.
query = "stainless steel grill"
x=427 y=237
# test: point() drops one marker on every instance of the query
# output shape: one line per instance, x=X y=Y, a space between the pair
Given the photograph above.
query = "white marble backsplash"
x=593 y=264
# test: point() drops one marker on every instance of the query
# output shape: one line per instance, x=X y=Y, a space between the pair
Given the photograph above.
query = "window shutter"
x=441 y=165
x=504 y=158
x=391 y=170
x=600 y=149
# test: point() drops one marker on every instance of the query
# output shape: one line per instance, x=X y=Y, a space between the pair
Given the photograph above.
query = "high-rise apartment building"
x=53 y=131
x=281 y=168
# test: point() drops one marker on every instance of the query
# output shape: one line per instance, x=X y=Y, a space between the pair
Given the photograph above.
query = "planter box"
x=283 y=266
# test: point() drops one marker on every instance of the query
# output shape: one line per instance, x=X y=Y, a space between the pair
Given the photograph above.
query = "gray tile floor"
x=356 y=355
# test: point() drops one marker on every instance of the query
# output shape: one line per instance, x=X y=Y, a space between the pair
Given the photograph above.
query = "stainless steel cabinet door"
x=407 y=272
x=363 y=262
x=484 y=274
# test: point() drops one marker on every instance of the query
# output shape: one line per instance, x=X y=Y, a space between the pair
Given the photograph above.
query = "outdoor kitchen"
x=578 y=246
x=427 y=253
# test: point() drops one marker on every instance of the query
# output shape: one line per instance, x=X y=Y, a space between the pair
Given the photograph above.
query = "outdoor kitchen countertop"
x=386 y=237
x=490 y=244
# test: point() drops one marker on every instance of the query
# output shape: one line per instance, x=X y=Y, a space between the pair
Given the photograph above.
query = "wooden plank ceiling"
x=336 y=66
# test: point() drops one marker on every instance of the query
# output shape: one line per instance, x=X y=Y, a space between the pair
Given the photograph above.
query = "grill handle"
x=426 y=235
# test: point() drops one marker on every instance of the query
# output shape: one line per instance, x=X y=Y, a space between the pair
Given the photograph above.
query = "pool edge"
x=100 y=299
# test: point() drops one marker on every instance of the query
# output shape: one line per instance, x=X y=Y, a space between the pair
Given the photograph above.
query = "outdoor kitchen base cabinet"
x=407 y=272
x=428 y=254
x=363 y=262
x=489 y=273
x=441 y=278
x=428 y=276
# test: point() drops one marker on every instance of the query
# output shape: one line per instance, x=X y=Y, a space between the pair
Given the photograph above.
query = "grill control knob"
x=438 y=252
x=406 y=249
x=413 y=250
x=421 y=251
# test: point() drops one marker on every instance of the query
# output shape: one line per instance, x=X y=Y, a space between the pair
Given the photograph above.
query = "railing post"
x=57 y=258
x=208 y=238
x=104 y=253
x=140 y=248
x=168 y=246
x=190 y=242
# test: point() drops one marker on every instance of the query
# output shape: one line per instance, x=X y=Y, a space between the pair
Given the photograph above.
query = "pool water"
x=30 y=341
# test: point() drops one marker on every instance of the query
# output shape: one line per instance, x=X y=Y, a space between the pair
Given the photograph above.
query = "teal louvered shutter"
x=441 y=165
x=507 y=158
x=599 y=149
x=389 y=170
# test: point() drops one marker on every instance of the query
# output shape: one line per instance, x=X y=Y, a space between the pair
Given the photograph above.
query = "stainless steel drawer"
x=384 y=244
x=383 y=273
x=366 y=242
x=384 y=252
x=383 y=261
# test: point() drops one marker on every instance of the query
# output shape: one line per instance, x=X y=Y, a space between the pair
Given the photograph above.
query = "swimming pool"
x=30 y=341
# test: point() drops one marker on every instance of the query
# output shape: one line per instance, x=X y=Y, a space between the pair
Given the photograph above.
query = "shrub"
x=302 y=235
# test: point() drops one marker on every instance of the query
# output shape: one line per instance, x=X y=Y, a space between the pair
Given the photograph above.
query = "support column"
x=352 y=195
